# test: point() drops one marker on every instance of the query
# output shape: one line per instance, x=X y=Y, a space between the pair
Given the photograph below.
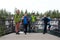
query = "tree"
x=22 y=13
x=41 y=15
x=26 y=11
x=4 y=14
x=37 y=13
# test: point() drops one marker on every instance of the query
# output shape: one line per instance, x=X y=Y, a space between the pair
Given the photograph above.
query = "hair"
x=18 y=11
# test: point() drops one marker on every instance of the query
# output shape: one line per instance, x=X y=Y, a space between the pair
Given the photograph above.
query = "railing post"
x=59 y=24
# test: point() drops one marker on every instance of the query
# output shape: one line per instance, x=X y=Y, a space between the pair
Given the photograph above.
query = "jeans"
x=45 y=28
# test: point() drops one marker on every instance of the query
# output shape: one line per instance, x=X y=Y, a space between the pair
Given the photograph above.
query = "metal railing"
x=9 y=26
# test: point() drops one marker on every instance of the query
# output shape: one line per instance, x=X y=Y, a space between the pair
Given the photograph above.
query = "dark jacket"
x=46 y=20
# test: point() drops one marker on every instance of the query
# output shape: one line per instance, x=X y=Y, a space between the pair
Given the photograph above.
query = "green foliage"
x=4 y=14
x=53 y=14
x=26 y=11
x=2 y=30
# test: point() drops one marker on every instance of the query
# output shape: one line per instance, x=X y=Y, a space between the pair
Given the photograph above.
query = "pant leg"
x=45 y=28
x=32 y=26
x=49 y=25
x=25 y=28
x=29 y=28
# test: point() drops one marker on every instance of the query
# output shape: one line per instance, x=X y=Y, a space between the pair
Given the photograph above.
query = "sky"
x=30 y=5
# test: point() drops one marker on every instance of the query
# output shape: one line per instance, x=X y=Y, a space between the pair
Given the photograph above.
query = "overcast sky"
x=30 y=5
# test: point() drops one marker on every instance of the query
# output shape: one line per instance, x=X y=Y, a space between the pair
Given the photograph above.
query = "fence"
x=6 y=26
x=9 y=26
x=2 y=28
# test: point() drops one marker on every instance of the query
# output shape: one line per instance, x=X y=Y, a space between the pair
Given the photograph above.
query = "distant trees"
x=52 y=14
x=4 y=14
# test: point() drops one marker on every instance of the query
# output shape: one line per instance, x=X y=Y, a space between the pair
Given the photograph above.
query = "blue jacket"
x=25 y=20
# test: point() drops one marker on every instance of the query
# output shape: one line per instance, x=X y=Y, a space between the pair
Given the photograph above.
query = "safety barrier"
x=8 y=26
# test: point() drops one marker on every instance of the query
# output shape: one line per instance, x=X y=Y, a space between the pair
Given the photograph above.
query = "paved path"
x=29 y=36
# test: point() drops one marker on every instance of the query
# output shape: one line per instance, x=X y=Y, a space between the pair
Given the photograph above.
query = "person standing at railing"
x=25 y=22
x=29 y=23
x=46 y=21
x=17 y=21
x=33 y=19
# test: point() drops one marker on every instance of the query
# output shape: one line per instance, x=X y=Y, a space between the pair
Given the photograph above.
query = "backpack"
x=25 y=20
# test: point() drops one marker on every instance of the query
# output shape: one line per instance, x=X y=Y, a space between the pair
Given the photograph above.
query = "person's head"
x=45 y=16
x=33 y=13
x=18 y=11
x=25 y=14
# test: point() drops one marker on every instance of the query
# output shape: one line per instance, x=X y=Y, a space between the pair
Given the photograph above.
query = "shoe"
x=25 y=33
x=18 y=33
x=43 y=33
